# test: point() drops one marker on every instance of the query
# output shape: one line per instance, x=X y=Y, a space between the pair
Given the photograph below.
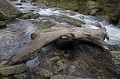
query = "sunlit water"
x=18 y=31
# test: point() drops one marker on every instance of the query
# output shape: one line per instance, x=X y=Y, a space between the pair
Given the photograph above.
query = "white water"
x=18 y=31
x=90 y=22
x=87 y=21
x=15 y=35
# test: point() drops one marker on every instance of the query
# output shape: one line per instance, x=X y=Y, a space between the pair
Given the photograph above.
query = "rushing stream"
x=18 y=31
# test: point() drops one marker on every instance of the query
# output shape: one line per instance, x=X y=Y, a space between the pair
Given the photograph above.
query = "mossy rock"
x=106 y=8
x=58 y=52
x=42 y=3
x=2 y=25
x=43 y=25
x=71 y=21
x=27 y=15
x=16 y=69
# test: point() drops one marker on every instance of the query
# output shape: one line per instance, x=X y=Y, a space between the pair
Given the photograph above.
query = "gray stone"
x=71 y=21
x=92 y=7
x=27 y=15
x=2 y=24
x=66 y=77
x=16 y=69
x=8 y=10
x=21 y=76
x=2 y=63
x=116 y=56
x=41 y=73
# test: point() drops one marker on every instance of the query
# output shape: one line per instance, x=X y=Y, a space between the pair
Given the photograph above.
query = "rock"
x=2 y=63
x=4 y=78
x=21 y=76
x=59 y=25
x=43 y=25
x=116 y=56
x=71 y=21
x=36 y=15
x=58 y=52
x=60 y=65
x=18 y=4
x=2 y=24
x=41 y=73
x=16 y=69
x=93 y=11
x=92 y=4
x=92 y=7
x=67 y=77
x=8 y=10
x=27 y=15
x=114 y=47
x=114 y=21
x=42 y=3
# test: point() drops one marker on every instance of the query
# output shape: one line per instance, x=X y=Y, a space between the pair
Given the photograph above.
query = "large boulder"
x=8 y=11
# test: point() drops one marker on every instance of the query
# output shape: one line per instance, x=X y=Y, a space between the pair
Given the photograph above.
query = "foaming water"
x=86 y=22
x=18 y=31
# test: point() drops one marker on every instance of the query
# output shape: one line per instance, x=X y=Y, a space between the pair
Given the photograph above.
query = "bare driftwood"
x=47 y=36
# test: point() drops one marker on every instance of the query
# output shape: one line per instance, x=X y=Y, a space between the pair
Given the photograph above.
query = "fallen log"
x=47 y=36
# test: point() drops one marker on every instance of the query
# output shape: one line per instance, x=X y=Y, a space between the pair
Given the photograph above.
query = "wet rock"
x=116 y=56
x=54 y=59
x=58 y=52
x=8 y=11
x=114 y=47
x=54 y=64
x=36 y=15
x=59 y=25
x=92 y=7
x=24 y=0
x=72 y=22
x=40 y=73
x=27 y=15
x=30 y=15
x=2 y=24
x=4 y=78
x=114 y=21
x=3 y=63
x=42 y=2
x=22 y=76
x=16 y=69
x=67 y=77
x=18 y=4
x=60 y=65
x=43 y=24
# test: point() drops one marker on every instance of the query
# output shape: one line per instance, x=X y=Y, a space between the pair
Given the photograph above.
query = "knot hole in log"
x=66 y=42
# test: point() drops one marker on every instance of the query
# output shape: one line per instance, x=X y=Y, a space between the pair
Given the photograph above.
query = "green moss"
x=105 y=7
x=43 y=25
x=72 y=5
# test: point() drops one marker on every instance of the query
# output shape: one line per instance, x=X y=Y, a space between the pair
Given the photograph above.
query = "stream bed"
x=19 y=30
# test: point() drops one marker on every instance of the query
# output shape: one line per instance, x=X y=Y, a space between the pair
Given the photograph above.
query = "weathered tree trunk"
x=95 y=36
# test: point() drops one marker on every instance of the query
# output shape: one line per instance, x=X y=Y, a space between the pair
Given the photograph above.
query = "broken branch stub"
x=48 y=36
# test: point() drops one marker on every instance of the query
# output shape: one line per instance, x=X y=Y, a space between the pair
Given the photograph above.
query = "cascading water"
x=88 y=57
x=19 y=31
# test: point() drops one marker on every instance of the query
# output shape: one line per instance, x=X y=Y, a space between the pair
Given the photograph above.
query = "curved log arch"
x=48 y=36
